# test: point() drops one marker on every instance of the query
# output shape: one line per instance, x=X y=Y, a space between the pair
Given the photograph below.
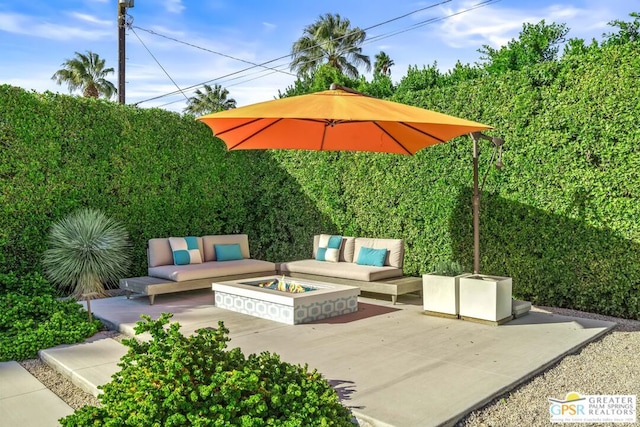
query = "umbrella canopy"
x=337 y=119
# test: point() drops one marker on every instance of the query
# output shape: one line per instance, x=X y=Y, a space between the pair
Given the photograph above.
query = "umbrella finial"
x=336 y=86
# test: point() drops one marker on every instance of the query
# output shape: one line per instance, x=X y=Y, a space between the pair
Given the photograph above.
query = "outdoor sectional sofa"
x=355 y=264
x=168 y=273
x=227 y=257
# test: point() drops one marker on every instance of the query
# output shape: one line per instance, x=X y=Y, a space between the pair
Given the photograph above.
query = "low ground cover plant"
x=33 y=317
x=173 y=380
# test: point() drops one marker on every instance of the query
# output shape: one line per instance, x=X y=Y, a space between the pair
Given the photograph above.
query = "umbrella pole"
x=497 y=143
x=476 y=208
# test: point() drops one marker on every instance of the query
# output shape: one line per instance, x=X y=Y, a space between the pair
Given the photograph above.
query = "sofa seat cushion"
x=342 y=270
x=212 y=269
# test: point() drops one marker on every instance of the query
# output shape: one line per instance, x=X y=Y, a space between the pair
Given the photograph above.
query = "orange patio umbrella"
x=336 y=119
x=346 y=120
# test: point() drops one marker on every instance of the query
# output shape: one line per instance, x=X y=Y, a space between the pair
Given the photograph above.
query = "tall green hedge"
x=158 y=172
x=561 y=217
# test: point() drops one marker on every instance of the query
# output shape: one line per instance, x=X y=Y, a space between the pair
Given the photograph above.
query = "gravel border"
x=59 y=384
x=609 y=365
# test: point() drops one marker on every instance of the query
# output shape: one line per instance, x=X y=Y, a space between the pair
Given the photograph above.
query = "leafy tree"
x=330 y=40
x=536 y=43
x=380 y=87
x=426 y=78
x=628 y=31
x=87 y=73
x=211 y=100
x=577 y=47
x=383 y=64
x=461 y=72
x=318 y=80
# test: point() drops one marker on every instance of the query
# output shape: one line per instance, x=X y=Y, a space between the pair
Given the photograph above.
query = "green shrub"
x=448 y=268
x=32 y=318
x=173 y=380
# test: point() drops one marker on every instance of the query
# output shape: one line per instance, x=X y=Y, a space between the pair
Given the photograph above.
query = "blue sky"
x=37 y=36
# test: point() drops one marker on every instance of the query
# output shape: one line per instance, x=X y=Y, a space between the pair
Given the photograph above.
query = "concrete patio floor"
x=391 y=364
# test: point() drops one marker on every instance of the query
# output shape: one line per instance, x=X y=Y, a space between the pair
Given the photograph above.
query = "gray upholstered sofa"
x=350 y=268
x=166 y=276
x=347 y=266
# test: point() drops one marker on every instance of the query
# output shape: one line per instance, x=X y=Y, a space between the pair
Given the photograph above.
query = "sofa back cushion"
x=394 y=247
x=159 y=251
x=208 y=243
x=346 y=250
x=185 y=250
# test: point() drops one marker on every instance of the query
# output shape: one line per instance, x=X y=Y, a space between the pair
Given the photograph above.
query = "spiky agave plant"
x=86 y=249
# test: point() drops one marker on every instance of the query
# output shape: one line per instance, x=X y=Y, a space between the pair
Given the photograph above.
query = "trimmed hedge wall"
x=157 y=172
x=560 y=218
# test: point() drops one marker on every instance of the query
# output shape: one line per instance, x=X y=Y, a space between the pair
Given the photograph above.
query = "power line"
x=267 y=62
x=412 y=27
x=157 y=62
x=275 y=70
x=433 y=20
x=263 y=65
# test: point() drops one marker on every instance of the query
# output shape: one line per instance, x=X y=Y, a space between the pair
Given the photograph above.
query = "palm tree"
x=383 y=64
x=330 y=39
x=87 y=73
x=210 y=101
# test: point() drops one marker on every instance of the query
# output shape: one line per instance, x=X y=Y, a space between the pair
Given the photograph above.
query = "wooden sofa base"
x=152 y=286
x=393 y=287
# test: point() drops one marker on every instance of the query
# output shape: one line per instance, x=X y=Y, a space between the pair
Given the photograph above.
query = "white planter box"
x=486 y=297
x=441 y=294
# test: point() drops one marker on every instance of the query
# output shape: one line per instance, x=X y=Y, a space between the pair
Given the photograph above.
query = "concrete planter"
x=486 y=298
x=441 y=294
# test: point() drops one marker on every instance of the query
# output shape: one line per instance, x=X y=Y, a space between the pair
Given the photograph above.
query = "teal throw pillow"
x=185 y=250
x=370 y=256
x=329 y=248
x=229 y=252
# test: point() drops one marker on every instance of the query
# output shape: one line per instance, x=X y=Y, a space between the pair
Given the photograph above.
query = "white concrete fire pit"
x=291 y=301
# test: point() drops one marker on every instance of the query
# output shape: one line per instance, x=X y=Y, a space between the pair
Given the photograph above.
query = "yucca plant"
x=86 y=249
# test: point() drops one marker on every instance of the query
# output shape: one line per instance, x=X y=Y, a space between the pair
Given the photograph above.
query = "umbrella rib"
x=250 y=136
x=394 y=139
x=422 y=132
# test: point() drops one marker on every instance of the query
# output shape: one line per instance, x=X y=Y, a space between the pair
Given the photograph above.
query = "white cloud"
x=486 y=25
x=13 y=23
x=90 y=19
x=26 y=25
x=174 y=6
x=496 y=26
x=269 y=26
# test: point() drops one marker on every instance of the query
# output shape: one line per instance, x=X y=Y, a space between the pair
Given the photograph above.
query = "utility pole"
x=122 y=13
